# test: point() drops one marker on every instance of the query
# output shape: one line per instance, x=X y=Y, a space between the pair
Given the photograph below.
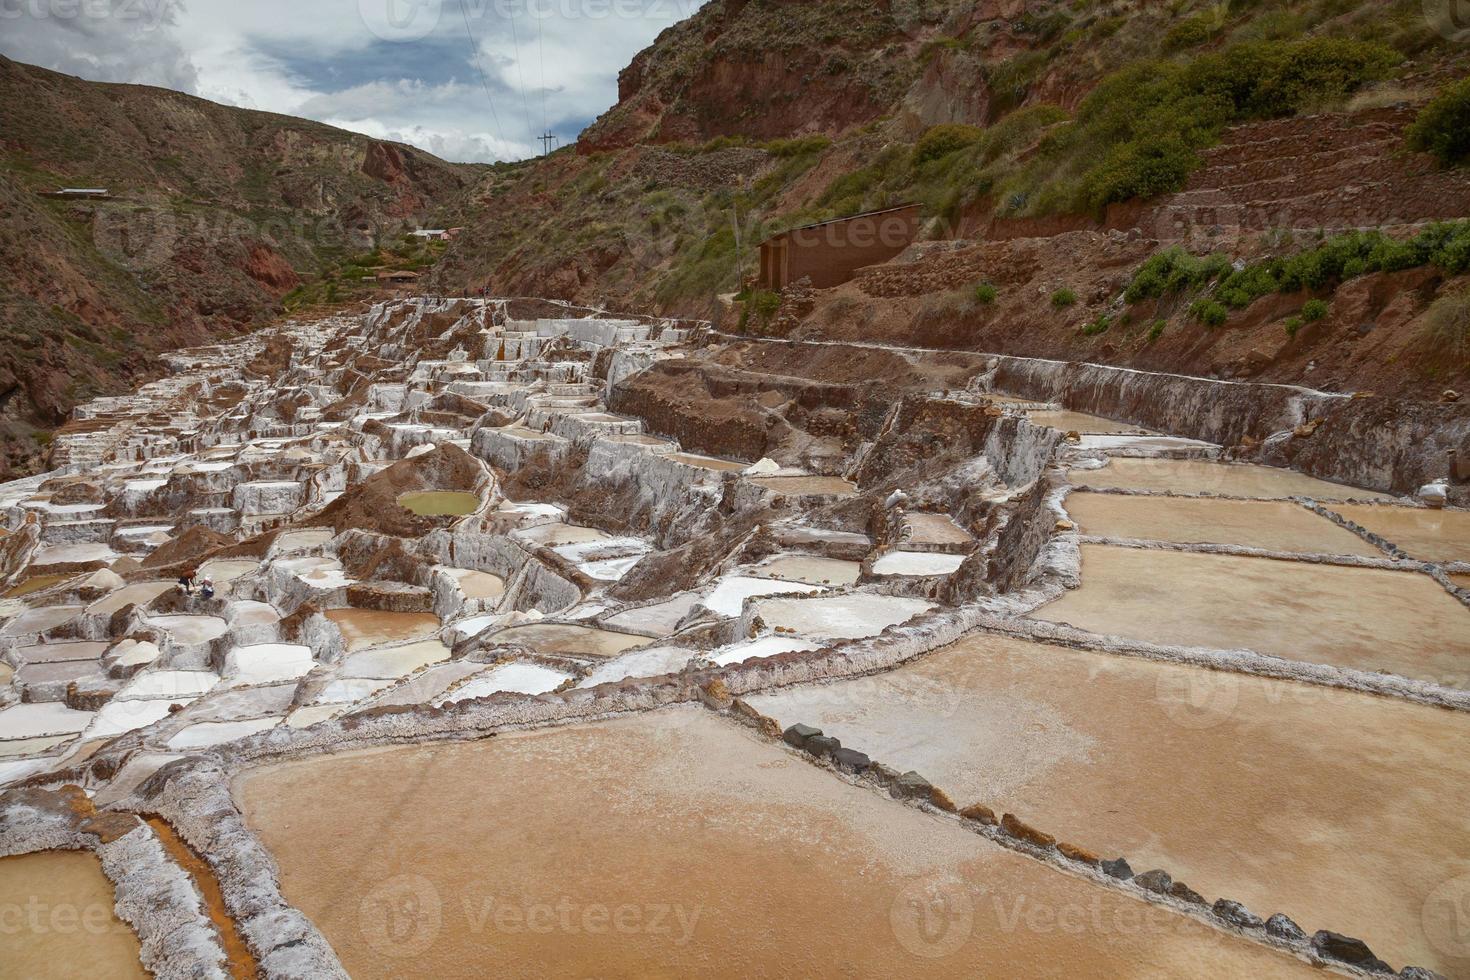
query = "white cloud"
x=393 y=69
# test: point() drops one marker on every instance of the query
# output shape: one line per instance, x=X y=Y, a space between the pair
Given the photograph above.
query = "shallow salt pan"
x=915 y=563
x=847 y=617
x=1372 y=619
x=478 y=585
x=191 y=630
x=303 y=540
x=394 y=661
x=645 y=663
x=1267 y=524
x=40 y=720
x=69 y=554
x=512 y=678
x=363 y=628
x=226 y=570
x=1431 y=535
x=1225 y=479
x=120 y=717
x=809 y=569
x=349 y=690
x=267 y=663
x=140 y=594
x=574 y=641
x=71 y=929
x=49 y=653
x=728 y=597
x=168 y=684
x=313 y=714
x=632 y=814
x=40 y=620
x=766 y=646
x=209 y=733
x=1304 y=785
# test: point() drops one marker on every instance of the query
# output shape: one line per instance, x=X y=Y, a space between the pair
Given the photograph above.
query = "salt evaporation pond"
x=572 y=641
x=917 y=563
x=809 y=569
x=1266 y=524
x=845 y=617
x=71 y=930
x=728 y=837
x=1284 y=796
x=478 y=585
x=369 y=627
x=1366 y=618
x=1425 y=533
x=1225 y=479
x=440 y=503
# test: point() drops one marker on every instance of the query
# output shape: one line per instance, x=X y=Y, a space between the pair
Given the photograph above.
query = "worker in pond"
x=186 y=581
x=206 y=587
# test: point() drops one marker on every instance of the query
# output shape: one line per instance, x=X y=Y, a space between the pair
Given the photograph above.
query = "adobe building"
x=831 y=252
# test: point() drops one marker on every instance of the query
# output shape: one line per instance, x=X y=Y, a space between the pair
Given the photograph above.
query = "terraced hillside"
x=641 y=618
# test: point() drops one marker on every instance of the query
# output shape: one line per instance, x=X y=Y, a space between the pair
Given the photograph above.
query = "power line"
x=475 y=58
x=541 y=57
x=520 y=74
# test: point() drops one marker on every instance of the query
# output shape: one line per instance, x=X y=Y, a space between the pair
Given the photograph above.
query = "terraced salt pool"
x=729 y=837
x=1266 y=524
x=1193 y=476
x=440 y=503
x=1286 y=797
x=370 y=627
x=1430 y=535
x=1371 y=619
x=71 y=930
x=572 y=641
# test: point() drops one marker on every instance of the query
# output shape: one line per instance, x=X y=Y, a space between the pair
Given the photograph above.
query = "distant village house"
x=831 y=252
x=87 y=193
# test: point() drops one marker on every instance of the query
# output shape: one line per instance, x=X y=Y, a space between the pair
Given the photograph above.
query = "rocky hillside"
x=1242 y=131
x=217 y=214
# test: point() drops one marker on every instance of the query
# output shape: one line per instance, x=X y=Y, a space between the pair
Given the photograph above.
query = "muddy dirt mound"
x=194 y=545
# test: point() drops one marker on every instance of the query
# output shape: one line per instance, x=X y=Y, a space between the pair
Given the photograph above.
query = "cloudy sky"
x=468 y=80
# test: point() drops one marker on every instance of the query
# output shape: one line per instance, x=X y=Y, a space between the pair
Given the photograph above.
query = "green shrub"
x=1443 y=126
x=1063 y=298
x=1210 y=313
x=1293 y=324
x=941 y=141
x=1173 y=271
x=797 y=147
x=1314 y=310
x=985 y=294
x=1190 y=33
x=1447 y=324
x=1100 y=325
x=1156 y=330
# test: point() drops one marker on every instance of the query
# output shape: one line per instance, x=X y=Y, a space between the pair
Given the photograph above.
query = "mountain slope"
x=218 y=213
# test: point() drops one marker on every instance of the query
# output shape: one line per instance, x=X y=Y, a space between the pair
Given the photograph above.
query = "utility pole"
x=546 y=142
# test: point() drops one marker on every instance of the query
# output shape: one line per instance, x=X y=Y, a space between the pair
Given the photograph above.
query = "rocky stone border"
x=152 y=894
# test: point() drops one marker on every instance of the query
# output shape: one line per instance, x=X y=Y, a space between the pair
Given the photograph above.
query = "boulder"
x=1346 y=949
x=1155 y=881
x=821 y=745
x=796 y=736
x=1282 y=927
x=1117 y=868
x=851 y=760
x=1021 y=830
x=1236 y=914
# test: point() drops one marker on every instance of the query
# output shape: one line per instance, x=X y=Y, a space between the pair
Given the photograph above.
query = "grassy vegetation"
x=1443 y=126
x=1447 y=325
x=1444 y=245
x=985 y=294
x=1063 y=298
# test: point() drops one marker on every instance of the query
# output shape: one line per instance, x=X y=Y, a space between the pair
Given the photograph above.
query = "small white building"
x=432 y=234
